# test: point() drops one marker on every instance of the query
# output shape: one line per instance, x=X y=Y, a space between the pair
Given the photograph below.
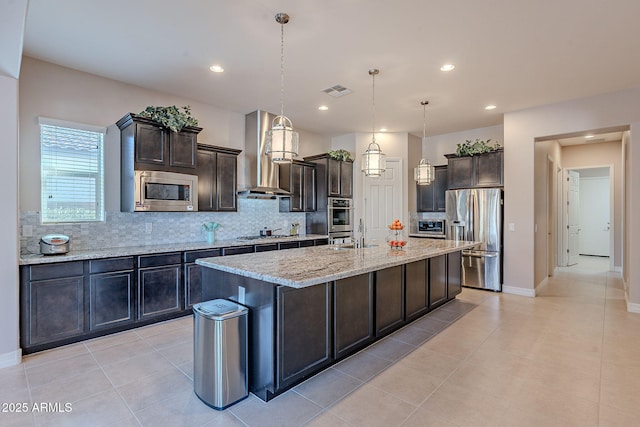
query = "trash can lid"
x=219 y=309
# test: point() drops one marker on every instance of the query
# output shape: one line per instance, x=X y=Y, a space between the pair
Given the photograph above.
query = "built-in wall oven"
x=340 y=215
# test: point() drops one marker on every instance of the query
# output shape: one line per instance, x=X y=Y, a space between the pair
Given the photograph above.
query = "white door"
x=382 y=202
x=573 y=217
x=594 y=216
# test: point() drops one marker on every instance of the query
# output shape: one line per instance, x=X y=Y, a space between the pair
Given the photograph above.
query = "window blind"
x=72 y=171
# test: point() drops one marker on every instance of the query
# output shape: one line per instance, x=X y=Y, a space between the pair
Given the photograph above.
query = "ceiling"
x=513 y=54
x=591 y=138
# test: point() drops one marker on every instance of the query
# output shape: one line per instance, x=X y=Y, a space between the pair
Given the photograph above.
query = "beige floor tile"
x=405 y=382
x=429 y=324
x=13 y=385
x=170 y=338
x=327 y=419
x=17 y=419
x=412 y=335
x=59 y=353
x=72 y=389
x=370 y=406
x=614 y=417
x=327 y=387
x=423 y=417
x=111 y=340
x=363 y=366
x=436 y=365
x=451 y=346
x=158 y=328
x=390 y=349
x=187 y=369
x=288 y=409
x=529 y=418
x=120 y=352
x=137 y=368
x=153 y=389
x=179 y=354
x=101 y=409
x=60 y=368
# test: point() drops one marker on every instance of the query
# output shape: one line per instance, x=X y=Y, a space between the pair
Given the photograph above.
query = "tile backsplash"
x=121 y=229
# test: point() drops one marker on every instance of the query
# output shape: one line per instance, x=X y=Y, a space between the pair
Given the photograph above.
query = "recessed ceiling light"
x=589 y=136
x=323 y=108
x=490 y=107
x=383 y=129
x=216 y=68
x=447 y=67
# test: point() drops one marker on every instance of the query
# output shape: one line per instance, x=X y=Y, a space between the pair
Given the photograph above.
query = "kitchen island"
x=311 y=307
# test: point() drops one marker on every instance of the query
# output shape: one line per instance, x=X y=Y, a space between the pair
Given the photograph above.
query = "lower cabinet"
x=303 y=341
x=159 y=284
x=437 y=281
x=193 y=275
x=454 y=274
x=416 y=289
x=353 y=314
x=52 y=303
x=389 y=300
x=111 y=292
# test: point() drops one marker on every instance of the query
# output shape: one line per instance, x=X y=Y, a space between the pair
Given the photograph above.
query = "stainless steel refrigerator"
x=476 y=214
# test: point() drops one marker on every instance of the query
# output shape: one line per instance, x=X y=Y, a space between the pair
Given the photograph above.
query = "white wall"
x=435 y=147
x=9 y=312
x=520 y=130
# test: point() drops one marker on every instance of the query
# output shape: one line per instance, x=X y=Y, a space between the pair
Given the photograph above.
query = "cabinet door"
x=182 y=149
x=111 y=299
x=437 y=281
x=55 y=309
x=488 y=169
x=309 y=189
x=440 y=186
x=425 y=195
x=346 y=179
x=416 y=289
x=460 y=172
x=296 y=176
x=150 y=144
x=389 y=300
x=454 y=278
x=192 y=285
x=206 y=180
x=353 y=314
x=158 y=291
x=303 y=342
x=333 y=176
x=288 y=245
x=226 y=184
x=235 y=250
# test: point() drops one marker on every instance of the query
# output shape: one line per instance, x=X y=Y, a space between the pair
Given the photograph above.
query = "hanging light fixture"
x=373 y=160
x=425 y=173
x=281 y=139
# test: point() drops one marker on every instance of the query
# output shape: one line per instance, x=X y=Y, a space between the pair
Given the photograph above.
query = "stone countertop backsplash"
x=80 y=255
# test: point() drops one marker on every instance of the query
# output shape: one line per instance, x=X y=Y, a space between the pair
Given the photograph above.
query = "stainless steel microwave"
x=157 y=191
x=432 y=227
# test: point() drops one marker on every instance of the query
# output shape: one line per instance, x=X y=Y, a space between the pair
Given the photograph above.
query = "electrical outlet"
x=148 y=227
x=512 y=226
x=27 y=231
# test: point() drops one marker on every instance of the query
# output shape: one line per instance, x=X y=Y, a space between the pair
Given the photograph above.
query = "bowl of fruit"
x=396 y=239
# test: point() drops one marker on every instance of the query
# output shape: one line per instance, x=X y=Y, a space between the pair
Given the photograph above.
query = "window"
x=72 y=165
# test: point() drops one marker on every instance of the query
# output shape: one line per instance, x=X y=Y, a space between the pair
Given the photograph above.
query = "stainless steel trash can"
x=220 y=352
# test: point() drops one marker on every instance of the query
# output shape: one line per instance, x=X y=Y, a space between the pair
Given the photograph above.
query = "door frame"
x=397 y=188
x=563 y=209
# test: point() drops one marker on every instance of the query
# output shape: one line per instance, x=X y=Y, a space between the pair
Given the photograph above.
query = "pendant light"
x=281 y=139
x=425 y=173
x=373 y=160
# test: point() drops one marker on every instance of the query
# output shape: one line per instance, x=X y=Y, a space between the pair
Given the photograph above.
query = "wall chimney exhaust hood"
x=262 y=172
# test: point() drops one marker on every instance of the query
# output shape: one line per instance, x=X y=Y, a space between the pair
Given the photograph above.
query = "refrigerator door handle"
x=475 y=254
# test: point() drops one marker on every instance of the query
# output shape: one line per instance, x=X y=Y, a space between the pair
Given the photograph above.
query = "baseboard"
x=514 y=290
x=541 y=286
x=633 y=307
x=12 y=358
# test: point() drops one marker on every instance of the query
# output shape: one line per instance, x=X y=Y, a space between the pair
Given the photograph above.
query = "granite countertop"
x=30 y=259
x=299 y=268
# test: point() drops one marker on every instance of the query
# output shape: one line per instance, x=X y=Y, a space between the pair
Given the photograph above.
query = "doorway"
x=382 y=201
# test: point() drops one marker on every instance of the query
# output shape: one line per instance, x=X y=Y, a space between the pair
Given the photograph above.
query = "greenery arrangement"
x=340 y=154
x=170 y=117
x=471 y=148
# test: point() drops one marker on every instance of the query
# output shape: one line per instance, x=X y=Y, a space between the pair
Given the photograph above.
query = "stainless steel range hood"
x=262 y=173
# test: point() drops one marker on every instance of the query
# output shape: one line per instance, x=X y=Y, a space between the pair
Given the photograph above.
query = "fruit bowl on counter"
x=396 y=239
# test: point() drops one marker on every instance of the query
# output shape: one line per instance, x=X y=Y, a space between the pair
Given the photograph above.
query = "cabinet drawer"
x=110 y=264
x=157 y=260
x=321 y=242
x=191 y=256
x=234 y=250
x=288 y=245
x=306 y=243
x=267 y=247
x=56 y=271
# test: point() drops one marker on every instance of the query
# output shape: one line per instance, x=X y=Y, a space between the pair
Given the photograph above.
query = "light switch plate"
x=512 y=226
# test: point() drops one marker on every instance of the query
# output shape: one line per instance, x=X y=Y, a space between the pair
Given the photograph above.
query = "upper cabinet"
x=298 y=178
x=481 y=170
x=431 y=198
x=147 y=145
x=335 y=176
x=217 y=178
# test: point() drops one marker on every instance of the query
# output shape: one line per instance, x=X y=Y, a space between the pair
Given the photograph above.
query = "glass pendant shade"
x=425 y=173
x=281 y=141
x=373 y=160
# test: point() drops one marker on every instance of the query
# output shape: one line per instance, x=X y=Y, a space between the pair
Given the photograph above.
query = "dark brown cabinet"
x=431 y=198
x=147 y=145
x=353 y=314
x=303 y=337
x=111 y=292
x=482 y=170
x=217 y=178
x=416 y=289
x=335 y=177
x=454 y=276
x=437 y=281
x=159 y=284
x=52 y=303
x=298 y=178
x=389 y=300
x=193 y=275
